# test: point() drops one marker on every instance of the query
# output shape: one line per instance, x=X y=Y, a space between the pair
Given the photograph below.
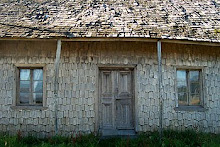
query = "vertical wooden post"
x=160 y=88
x=56 y=84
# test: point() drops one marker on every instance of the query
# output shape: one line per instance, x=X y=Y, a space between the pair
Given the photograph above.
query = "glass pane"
x=38 y=97
x=194 y=88
x=38 y=86
x=24 y=86
x=181 y=81
x=181 y=86
x=24 y=98
x=194 y=76
x=182 y=99
x=24 y=74
x=195 y=99
x=38 y=74
x=181 y=75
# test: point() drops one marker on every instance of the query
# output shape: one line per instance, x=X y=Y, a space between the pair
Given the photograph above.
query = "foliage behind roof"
x=172 y=19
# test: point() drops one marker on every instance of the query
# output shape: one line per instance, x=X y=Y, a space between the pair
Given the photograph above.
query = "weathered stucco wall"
x=78 y=85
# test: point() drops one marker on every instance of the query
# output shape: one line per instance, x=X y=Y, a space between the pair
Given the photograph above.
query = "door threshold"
x=120 y=136
x=106 y=132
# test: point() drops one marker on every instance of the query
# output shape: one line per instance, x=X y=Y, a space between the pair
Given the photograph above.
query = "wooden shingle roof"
x=171 y=19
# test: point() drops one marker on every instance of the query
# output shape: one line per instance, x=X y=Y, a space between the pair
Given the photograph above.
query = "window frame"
x=201 y=106
x=17 y=85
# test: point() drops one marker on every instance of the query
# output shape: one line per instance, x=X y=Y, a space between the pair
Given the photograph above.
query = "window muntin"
x=189 y=87
x=30 y=90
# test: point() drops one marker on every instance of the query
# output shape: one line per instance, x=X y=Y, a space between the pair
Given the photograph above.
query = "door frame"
x=100 y=67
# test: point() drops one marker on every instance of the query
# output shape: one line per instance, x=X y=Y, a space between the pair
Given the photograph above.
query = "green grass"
x=170 y=139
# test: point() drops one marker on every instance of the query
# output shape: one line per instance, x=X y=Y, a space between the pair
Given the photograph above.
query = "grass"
x=170 y=139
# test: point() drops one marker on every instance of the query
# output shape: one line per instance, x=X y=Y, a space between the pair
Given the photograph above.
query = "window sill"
x=190 y=108
x=28 y=108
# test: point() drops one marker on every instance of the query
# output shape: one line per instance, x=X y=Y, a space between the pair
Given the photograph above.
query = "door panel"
x=116 y=101
x=107 y=115
x=124 y=110
x=106 y=87
x=124 y=114
x=107 y=99
x=124 y=82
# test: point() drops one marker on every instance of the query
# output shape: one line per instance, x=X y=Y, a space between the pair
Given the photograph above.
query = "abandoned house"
x=110 y=67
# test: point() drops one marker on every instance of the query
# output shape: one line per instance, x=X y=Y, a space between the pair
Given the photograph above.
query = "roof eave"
x=137 y=39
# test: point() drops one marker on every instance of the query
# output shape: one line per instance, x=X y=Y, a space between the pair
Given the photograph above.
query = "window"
x=30 y=86
x=189 y=87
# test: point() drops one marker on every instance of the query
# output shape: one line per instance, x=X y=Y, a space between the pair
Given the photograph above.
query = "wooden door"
x=124 y=95
x=116 y=101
